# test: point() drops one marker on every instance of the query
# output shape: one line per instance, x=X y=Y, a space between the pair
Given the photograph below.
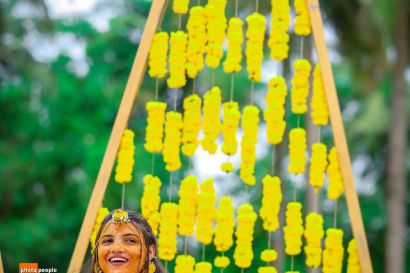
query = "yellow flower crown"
x=120 y=217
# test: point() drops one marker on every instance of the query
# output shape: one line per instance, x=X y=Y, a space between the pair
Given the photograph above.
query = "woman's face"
x=120 y=249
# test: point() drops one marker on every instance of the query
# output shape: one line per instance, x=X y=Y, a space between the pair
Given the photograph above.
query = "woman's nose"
x=117 y=246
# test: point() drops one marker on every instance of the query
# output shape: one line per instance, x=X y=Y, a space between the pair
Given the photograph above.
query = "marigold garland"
x=293 y=230
x=297 y=150
x=267 y=269
x=212 y=124
x=196 y=27
x=227 y=167
x=318 y=163
x=203 y=267
x=280 y=23
x=167 y=240
x=274 y=113
x=300 y=86
x=172 y=141
x=151 y=198
x=334 y=174
x=216 y=25
x=191 y=124
x=125 y=158
x=225 y=224
x=154 y=220
x=155 y=126
x=353 y=262
x=180 y=6
x=206 y=212
x=157 y=60
x=231 y=117
x=233 y=59
x=302 y=20
x=177 y=59
x=269 y=255
x=243 y=253
x=320 y=111
x=184 y=264
x=250 y=120
x=271 y=199
x=333 y=252
x=188 y=198
x=314 y=233
x=221 y=262
x=255 y=35
x=101 y=214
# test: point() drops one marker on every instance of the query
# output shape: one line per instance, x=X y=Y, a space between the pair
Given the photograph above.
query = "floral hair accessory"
x=120 y=217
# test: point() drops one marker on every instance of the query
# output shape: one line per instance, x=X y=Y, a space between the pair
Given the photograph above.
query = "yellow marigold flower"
x=206 y=212
x=297 y=150
x=353 y=263
x=334 y=175
x=196 y=27
x=188 y=198
x=225 y=224
x=233 y=59
x=280 y=23
x=157 y=60
x=180 y=6
x=101 y=214
x=191 y=125
x=302 y=20
x=243 y=253
x=333 y=252
x=227 y=167
x=231 y=117
x=313 y=233
x=267 y=269
x=271 y=199
x=203 y=267
x=274 y=113
x=167 y=240
x=300 y=86
x=153 y=221
x=151 y=198
x=177 y=59
x=125 y=158
x=269 y=255
x=254 y=45
x=216 y=25
x=250 y=120
x=318 y=163
x=221 y=262
x=292 y=271
x=155 y=126
x=293 y=229
x=212 y=124
x=172 y=141
x=320 y=111
x=184 y=264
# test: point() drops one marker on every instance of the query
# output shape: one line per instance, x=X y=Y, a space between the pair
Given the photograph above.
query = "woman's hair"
x=148 y=240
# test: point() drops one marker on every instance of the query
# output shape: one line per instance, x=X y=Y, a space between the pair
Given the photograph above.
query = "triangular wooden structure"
x=131 y=90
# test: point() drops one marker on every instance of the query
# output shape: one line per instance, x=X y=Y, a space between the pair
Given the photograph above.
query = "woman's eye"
x=131 y=241
x=107 y=241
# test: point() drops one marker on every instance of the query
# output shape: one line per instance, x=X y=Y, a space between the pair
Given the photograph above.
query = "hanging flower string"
x=212 y=124
x=280 y=23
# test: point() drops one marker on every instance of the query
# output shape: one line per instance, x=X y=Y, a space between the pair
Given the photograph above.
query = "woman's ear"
x=151 y=252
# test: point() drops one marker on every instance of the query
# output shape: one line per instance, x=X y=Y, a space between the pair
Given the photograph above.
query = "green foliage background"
x=55 y=124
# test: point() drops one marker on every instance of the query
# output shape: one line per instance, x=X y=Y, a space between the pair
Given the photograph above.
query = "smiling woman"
x=125 y=243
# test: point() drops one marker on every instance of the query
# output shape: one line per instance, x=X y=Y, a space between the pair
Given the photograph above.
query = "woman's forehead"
x=126 y=228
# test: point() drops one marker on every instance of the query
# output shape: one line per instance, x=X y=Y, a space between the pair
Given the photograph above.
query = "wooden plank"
x=340 y=137
x=131 y=90
x=1 y=264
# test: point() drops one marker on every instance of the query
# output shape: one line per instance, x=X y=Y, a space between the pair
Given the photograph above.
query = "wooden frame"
x=134 y=82
x=339 y=137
